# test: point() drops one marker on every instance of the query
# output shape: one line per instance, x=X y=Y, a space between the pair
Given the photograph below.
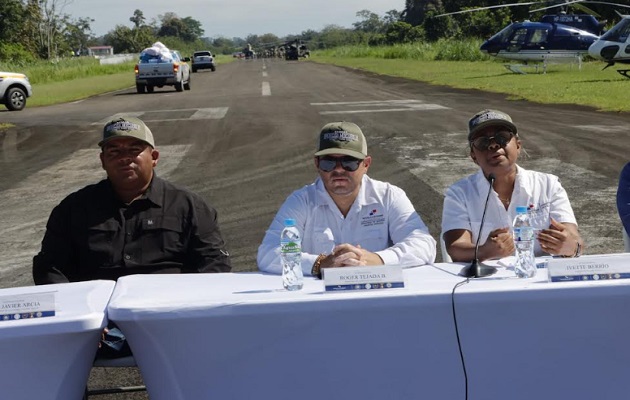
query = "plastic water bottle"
x=525 y=266
x=291 y=255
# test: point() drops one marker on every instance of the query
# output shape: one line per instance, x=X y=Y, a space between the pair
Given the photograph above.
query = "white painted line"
x=264 y=74
x=343 y=103
x=602 y=128
x=420 y=107
x=266 y=89
x=210 y=113
x=199 y=113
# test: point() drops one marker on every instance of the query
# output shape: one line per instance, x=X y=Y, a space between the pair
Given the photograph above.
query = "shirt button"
x=127 y=257
x=128 y=233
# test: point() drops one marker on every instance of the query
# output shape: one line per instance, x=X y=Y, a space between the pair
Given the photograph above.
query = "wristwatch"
x=316 y=270
x=578 y=250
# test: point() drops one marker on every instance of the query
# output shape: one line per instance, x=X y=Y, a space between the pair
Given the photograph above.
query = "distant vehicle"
x=156 y=70
x=614 y=46
x=203 y=60
x=14 y=90
x=295 y=49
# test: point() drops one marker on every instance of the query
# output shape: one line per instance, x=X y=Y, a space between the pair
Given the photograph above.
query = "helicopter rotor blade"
x=488 y=8
x=567 y=3
x=605 y=2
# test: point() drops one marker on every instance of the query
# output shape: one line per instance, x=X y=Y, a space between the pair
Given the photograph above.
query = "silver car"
x=14 y=90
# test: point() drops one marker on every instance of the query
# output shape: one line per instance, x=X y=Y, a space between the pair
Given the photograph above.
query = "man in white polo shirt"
x=345 y=217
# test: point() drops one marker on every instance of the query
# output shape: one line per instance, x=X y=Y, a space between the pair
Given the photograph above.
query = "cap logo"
x=486 y=117
x=341 y=135
x=122 y=126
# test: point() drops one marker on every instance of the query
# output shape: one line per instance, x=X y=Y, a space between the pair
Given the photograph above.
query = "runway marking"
x=264 y=74
x=603 y=128
x=266 y=89
x=369 y=106
x=183 y=114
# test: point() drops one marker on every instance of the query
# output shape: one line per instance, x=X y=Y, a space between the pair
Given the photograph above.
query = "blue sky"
x=233 y=18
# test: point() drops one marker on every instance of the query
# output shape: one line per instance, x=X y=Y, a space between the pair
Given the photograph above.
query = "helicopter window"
x=619 y=33
x=538 y=36
x=519 y=36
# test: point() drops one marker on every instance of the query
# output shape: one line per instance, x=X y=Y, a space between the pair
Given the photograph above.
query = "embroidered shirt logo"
x=373 y=217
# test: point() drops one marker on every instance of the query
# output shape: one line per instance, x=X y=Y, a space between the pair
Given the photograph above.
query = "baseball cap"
x=488 y=118
x=127 y=127
x=342 y=138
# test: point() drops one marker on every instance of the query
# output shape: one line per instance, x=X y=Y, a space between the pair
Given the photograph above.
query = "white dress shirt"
x=381 y=220
x=464 y=203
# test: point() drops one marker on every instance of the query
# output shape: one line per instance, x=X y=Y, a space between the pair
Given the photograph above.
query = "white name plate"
x=363 y=278
x=589 y=268
x=24 y=306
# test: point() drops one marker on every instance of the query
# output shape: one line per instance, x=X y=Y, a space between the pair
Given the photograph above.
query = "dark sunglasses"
x=348 y=163
x=501 y=138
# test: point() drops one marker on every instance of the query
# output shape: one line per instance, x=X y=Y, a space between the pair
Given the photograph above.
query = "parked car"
x=157 y=70
x=14 y=90
x=203 y=60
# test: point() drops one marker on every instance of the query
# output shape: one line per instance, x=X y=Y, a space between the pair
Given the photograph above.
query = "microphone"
x=476 y=269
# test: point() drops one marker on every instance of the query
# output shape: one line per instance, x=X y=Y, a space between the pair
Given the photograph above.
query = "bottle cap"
x=521 y=210
x=289 y=222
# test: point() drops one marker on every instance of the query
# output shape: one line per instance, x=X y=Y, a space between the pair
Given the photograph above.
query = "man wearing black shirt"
x=133 y=222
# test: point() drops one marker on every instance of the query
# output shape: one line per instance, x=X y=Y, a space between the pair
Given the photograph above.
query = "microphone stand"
x=477 y=269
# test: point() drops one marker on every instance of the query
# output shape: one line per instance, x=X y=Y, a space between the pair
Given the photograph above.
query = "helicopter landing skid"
x=517 y=68
x=624 y=72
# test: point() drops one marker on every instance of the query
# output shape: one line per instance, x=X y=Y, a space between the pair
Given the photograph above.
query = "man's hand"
x=500 y=243
x=347 y=255
x=557 y=240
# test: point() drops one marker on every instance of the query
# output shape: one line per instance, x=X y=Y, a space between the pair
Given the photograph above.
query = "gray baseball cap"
x=488 y=118
x=127 y=127
x=342 y=138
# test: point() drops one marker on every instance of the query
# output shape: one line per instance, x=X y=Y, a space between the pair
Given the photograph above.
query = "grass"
x=562 y=84
x=76 y=78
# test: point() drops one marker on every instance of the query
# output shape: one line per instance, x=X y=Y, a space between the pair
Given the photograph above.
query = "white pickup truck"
x=155 y=70
x=14 y=90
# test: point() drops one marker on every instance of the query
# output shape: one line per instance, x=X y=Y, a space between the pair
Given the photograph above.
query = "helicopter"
x=614 y=46
x=555 y=38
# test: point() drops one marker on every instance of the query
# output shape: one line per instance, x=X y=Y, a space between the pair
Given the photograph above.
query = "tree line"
x=40 y=29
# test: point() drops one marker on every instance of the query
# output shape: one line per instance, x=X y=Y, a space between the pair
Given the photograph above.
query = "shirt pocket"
x=101 y=243
x=162 y=236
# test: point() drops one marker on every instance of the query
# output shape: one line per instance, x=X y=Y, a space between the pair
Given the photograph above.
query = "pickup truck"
x=14 y=90
x=203 y=60
x=156 y=70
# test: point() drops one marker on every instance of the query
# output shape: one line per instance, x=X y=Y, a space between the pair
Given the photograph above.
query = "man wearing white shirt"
x=345 y=217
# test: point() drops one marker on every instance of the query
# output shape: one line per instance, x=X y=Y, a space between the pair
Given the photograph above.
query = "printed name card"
x=24 y=306
x=589 y=268
x=363 y=278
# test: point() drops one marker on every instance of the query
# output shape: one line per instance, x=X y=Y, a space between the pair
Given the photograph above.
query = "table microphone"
x=476 y=269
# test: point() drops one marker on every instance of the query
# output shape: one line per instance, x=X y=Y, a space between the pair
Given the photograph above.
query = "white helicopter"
x=614 y=46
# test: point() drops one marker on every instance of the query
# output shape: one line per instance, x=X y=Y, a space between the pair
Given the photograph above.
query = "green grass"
x=562 y=84
x=77 y=78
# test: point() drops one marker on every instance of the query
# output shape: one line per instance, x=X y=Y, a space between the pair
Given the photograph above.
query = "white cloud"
x=234 y=18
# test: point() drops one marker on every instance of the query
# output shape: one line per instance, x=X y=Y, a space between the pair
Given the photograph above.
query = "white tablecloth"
x=530 y=339
x=51 y=357
x=240 y=336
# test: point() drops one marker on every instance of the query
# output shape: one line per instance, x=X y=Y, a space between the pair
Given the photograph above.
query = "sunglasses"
x=501 y=138
x=348 y=163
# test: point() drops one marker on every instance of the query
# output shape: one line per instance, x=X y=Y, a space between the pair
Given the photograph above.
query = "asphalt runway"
x=244 y=137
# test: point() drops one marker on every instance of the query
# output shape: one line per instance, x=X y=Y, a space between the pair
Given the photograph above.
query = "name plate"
x=24 y=306
x=363 y=278
x=589 y=268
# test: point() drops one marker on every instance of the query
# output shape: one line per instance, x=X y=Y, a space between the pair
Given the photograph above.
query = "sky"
x=232 y=18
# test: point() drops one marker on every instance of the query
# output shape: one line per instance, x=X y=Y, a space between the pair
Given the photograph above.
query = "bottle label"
x=523 y=233
x=290 y=247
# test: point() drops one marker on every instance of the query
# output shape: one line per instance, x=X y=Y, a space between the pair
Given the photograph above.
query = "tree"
x=370 y=23
x=194 y=30
x=137 y=18
x=438 y=27
x=78 y=34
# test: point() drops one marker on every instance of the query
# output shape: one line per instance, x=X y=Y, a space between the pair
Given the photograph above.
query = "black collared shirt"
x=91 y=235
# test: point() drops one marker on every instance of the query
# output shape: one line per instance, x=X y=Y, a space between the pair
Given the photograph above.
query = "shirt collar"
x=363 y=198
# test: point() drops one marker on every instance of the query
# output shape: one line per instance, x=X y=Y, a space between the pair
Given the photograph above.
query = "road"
x=244 y=136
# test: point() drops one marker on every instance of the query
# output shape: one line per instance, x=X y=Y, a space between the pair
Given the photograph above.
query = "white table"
x=530 y=339
x=51 y=357
x=239 y=336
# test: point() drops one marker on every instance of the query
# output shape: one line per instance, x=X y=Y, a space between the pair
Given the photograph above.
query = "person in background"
x=132 y=222
x=345 y=217
x=623 y=203
x=495 y=147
